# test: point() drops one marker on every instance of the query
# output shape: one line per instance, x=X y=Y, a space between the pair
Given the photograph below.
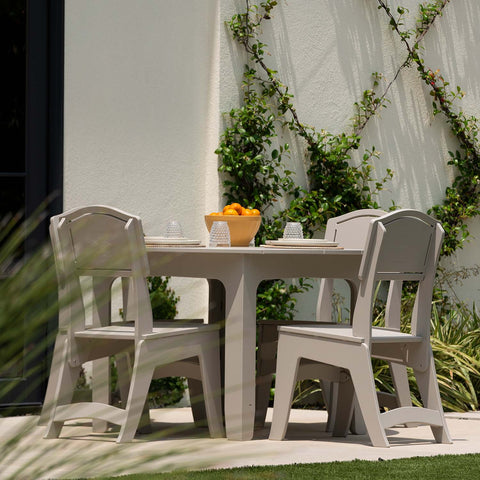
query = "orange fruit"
x=226 y=207
x=237 y=207
x=230 y=211
x=255 y=211
x=246 y=212
x=216 y=213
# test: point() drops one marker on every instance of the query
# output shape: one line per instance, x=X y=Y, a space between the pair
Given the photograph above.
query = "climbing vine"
x=255 y=174
x=335 y=186
x=462 y=197
x=253 y=163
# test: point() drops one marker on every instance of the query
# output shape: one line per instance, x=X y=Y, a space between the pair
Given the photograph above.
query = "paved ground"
x=178 y=444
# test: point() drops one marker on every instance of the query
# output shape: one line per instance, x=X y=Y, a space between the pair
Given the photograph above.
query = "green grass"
x=439 y=467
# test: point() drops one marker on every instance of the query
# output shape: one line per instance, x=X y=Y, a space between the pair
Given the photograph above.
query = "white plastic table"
x=240 y=270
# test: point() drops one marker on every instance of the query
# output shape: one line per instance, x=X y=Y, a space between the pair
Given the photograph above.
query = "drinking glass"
x=219 y=235
x=293 y=230
x=174 y=230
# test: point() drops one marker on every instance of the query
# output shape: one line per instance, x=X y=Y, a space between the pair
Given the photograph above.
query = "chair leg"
x=402 y=388
x=400 y=382
x=364 y=384
x=124 y=370
x=100 y=389
x=428 y=387
x=262 y=399
x=357 y=425
x=211 y=383
x=145 y=423
x=267 y=349
x=330 y=395
x=141 y=379
x=402 y=391
x=123 y=362
x=52 y=380
x=197 y=402
x=352 y=411
x=287 y=369
x=343 y=408
x=65 y=386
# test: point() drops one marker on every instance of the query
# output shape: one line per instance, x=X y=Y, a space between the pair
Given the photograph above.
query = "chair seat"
x=386 y=335
x=333 y=332
x=344 y=333
x=127 y=332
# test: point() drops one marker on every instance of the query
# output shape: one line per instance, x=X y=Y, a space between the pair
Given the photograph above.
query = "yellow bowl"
x=242 y=228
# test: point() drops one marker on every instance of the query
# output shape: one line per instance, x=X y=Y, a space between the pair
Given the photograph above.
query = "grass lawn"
x=440 y=467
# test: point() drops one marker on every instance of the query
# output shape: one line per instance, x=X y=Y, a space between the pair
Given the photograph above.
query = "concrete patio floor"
x=79 y=453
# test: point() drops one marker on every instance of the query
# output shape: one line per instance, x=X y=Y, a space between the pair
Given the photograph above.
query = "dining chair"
x=403 y=246
x=349 y=231
x=103 y=243
x=100 y=368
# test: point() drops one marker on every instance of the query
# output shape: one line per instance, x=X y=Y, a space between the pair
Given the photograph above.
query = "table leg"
x=101 y=368
x=216 y=314
x=240 y=339
x=216 y=301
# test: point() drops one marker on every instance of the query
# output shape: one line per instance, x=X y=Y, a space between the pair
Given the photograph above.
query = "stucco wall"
x=141 y=113
x=146 y=82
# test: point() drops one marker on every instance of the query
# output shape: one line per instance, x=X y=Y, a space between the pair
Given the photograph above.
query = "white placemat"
x=162 y=241
x=301 y=242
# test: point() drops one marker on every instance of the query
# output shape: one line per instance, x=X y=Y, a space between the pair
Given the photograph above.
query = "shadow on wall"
x=413 y=142
x=453 y=48
x=326 y=54
x=278 y=58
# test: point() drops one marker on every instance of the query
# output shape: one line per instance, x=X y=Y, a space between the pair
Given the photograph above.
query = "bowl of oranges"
x=243 y=223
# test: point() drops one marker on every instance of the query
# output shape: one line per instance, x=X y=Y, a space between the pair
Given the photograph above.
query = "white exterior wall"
x=141 y=113
x=146 y=82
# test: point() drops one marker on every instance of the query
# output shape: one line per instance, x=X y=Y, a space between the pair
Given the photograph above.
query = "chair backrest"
x=350 y=231
x=103 y=243
x=401 y=246
x=101 y=240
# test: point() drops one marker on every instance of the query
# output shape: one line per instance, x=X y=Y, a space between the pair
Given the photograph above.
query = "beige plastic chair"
x=104 y=243
x=100 y=379
x=401 y=246
x=350 y=231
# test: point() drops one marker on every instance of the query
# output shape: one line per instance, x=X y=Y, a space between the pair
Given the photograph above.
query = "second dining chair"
x=349 y=231
x=401 y=246
x=105 y=243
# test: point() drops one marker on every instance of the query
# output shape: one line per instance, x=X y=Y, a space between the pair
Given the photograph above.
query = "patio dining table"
x=234 y=274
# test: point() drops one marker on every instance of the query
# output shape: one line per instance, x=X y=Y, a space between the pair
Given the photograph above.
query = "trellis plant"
x=335 y=185
x=253 y=167
x=462 y=197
